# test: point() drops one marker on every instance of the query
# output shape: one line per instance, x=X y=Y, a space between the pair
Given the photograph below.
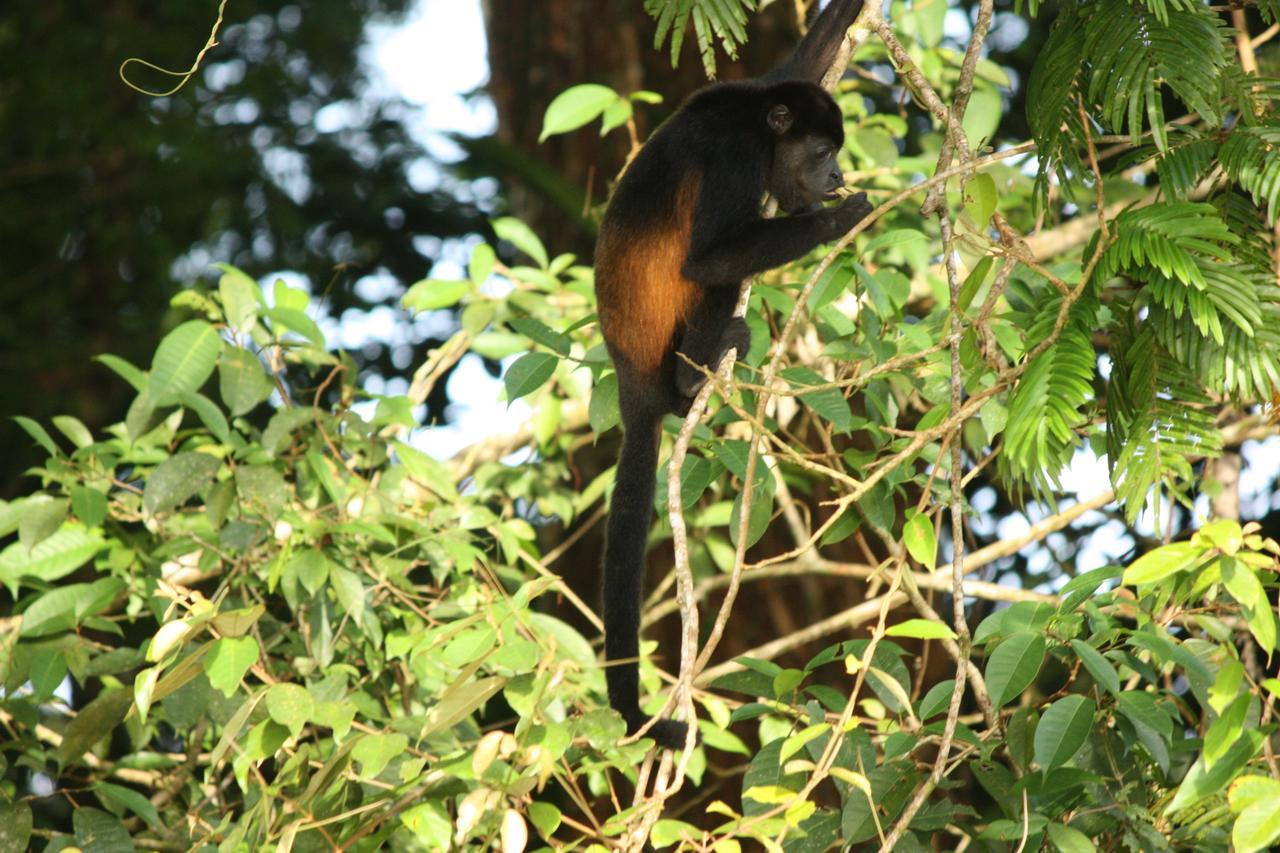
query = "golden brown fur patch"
x=644 y=299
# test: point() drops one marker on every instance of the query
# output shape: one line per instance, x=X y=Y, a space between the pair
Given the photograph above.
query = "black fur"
x=682 y=230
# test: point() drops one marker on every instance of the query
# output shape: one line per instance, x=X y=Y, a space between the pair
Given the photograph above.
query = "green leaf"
x=99 y=832
x=1099 y=667
x=55 y=557
x=981 y=198
x=183 y=362
x=15 y=826
x=228 y=660
x=74 y=429
x=602 y=411
x=1164 y=561
x=431 y=294
x=918 y=536
x=528 y=373
x=921 y=629
x=89 y=505
x=262 y=489
x=539 y=332
x=938 y=699
x=294 y=320
x=94 y=722
x=545 y=817
x=1068 y=840
x=65 y=607
x=522 y=237
x=42 y=518
x=1257 y=827
x=177 y=479
x=1225 y=730
x=290 y=705
x=240 y=298
x=576 y=106
x=209 y=413
x=481 y=264
x=891 y=239
x=349 y=592
x=243 y=383
x=120 y=798
x=1062 y=730
x=1013 y=666
x=39 y=433
x=374 y=752
x=125 y=370
x=1201 y=781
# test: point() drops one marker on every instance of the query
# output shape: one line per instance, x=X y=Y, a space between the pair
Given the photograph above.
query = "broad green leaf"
x=89 y=505
x=290 y=705
x=545 y=817
x=431 y=294
x=1257 y=827
x=1069 y=840
x=528 y=373
x=917 y=535
x=262 y=489
x=99 y=832
x=889 y=239
x=65 y=607
x=55 y=557
x=1013 y=666
x=183 y=361
x=1225 y=730
x=1201 y=781
x=242 y=381
x=1062 y=730
x=980 y=194
x=539 y=332
x=374 y=752
x=74 y=429
x=602 y=411
x=576 y=106
x=522 y=237
x=938 y=699
x=41 y=520
x=1248 y=791
x=39 y=433
x=177 y=479
x=1159 y=564
x=481 y=264
x=294 y=320
x=121 y=798
x=459 y=703
x=209 y=413
x=15 y=826
x=426 y=470
x=240 y=298
x=93 y=722
x=1099 y=667
x=921 y=629
x=228 y=660
x=126 y=371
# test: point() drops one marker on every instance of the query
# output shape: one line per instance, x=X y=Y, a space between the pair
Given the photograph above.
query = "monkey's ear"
x=780 y=119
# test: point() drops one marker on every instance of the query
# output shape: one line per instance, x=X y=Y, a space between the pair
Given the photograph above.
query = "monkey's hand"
x=839 y=220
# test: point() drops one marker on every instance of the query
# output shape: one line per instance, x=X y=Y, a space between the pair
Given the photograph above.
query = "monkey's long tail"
x=624 y=563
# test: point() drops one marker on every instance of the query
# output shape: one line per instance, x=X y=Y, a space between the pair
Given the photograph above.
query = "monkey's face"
x=805 y=172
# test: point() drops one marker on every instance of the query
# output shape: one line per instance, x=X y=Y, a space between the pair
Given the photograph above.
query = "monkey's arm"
x=817 y=50
x=727 y=257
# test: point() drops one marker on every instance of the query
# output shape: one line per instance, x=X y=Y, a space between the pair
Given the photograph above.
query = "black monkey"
x=682 y=230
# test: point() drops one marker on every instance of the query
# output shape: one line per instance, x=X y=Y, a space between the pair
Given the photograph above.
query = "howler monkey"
x=682 y=230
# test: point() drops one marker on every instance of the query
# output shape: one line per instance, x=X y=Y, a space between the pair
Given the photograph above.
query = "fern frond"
x=1168 y=237
x=1184 y=165
x=1132 y=50
x=1158 y=419
x=1251 y=157
x=1046 y=409
x=1052 y=88
x=712 y=19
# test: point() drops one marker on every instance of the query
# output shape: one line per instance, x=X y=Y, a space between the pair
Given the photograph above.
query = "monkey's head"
x=807 y=131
